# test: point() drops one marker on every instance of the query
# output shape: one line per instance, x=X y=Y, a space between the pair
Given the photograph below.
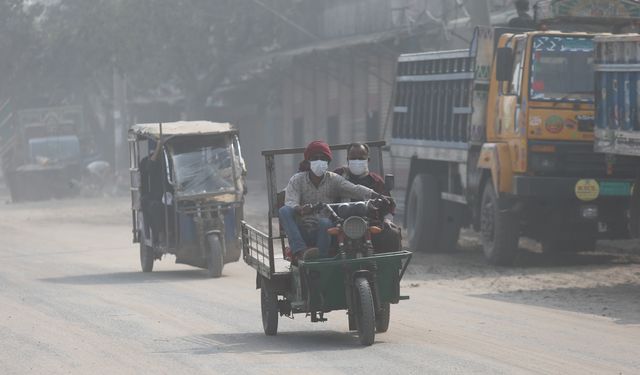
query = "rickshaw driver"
x=306 y=188
x=151 y=192
x=357 y=172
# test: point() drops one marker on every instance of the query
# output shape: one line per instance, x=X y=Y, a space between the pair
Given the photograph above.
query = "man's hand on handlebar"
x=387 y=200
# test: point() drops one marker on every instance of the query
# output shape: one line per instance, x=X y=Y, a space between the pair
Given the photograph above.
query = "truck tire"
x=500 y=229
x=269 y=308
x=215 y=257
x=423 y=214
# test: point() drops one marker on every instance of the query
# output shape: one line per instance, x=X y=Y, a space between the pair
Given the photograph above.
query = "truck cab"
x=500 y=137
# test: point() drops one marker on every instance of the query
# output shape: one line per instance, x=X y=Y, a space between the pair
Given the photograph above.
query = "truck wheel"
x=366 y=314
x=500 y=229
x=269 y=307
x=423 y=207
x=147 y=257
x=215 y=258
x=382 y=318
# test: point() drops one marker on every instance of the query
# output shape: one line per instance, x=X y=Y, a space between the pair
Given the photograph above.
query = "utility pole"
x=120 y=122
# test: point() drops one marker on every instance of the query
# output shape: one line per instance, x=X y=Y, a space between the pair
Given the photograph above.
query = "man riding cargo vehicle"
x=500 y=137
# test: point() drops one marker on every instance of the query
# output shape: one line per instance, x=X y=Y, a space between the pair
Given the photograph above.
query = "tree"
x=19 y=48
x=190 y=44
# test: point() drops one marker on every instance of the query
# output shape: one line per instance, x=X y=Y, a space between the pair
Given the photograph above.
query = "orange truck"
x=500 y=137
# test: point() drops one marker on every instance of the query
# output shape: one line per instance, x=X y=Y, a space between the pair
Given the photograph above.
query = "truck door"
x=510 y=124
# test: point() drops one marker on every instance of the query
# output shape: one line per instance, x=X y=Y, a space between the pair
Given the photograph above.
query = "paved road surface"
x=72 y=300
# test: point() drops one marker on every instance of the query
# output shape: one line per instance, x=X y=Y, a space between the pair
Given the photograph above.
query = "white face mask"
x=318 y=167
x=359 y=167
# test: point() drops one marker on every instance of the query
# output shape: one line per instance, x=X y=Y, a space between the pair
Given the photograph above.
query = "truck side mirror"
x=389 y=182
x=504 y=64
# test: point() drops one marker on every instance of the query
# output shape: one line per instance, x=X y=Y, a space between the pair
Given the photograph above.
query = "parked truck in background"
x=500 y=137
x=617 y=66
x=42 y=152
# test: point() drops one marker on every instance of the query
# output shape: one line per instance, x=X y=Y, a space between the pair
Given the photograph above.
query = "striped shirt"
x=332 y=187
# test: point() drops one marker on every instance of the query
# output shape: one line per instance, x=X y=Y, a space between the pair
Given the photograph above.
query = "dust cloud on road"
x=73 y=300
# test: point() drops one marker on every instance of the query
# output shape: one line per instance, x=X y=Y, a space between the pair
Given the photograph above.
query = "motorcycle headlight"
x=354 y=227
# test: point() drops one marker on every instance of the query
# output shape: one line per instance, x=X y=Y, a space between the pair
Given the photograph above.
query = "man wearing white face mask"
x=306 y=188
x=357 y=172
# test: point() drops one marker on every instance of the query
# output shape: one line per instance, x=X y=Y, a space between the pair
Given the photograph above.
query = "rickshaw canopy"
x=179 y=128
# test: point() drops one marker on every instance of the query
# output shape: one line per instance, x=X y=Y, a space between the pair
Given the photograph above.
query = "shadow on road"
x=618 y=302
x=134 y=277
x=259 y=343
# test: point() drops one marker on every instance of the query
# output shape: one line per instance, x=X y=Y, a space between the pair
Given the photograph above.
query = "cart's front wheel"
x=366 y=314
x=215 y=260
x=382 y=318
x=269 y=306
x=146 y=257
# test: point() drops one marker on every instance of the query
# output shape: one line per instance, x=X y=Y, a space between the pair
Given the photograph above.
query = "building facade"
x=333 y=77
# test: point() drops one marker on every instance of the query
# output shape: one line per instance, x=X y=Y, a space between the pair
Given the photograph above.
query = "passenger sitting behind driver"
x=306 y=188
x=357 y=172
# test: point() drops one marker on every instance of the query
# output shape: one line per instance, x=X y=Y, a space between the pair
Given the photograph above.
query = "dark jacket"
x=372 y=180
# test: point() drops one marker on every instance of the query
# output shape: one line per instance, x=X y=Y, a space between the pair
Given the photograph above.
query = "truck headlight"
x=543 y=162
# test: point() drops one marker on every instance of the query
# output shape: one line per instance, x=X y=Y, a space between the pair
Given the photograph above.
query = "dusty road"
x=72 y=300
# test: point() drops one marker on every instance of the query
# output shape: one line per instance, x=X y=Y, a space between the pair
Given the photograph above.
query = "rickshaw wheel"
x=146 y=257
x=269 y=307
x=215 y=258
x=382 y=318
x=366 y=314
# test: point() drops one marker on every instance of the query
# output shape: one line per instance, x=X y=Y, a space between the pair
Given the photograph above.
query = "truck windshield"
x=54 y=149
x=203 y=169
x=562 y=69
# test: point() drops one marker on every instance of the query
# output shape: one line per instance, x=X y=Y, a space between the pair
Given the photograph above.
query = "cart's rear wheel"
x=146 y=257
x=382 y=318
x=366 y=314
x=215 y=260
x=269 y=307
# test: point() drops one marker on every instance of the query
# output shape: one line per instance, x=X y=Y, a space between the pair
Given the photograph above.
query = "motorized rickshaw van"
x=187 y=193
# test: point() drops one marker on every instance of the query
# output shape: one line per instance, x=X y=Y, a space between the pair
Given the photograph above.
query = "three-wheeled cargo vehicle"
x=356 y=279
x=187 y=193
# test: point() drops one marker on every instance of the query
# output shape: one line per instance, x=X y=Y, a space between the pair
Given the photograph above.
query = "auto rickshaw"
x=356 y=279
x=187 y=193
